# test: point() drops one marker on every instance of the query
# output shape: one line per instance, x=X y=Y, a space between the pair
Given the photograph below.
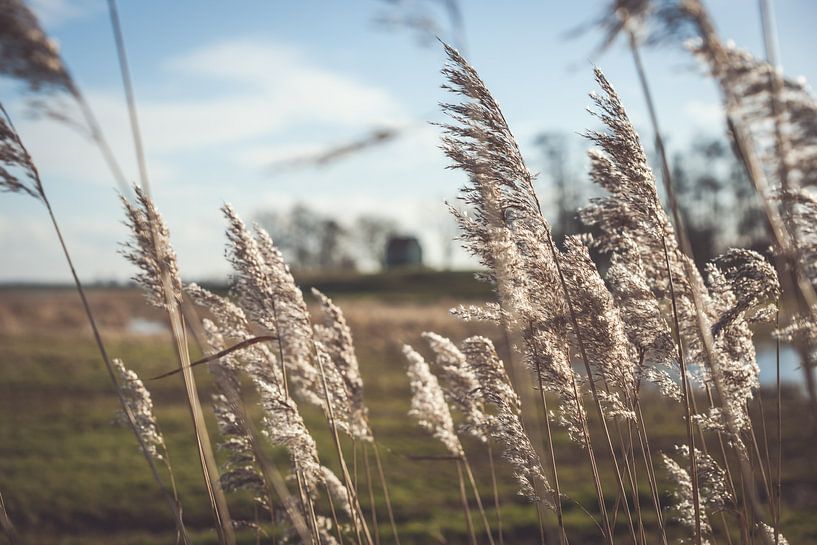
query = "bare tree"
x=371 y=232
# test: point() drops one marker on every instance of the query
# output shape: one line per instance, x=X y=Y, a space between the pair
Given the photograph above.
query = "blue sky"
x=226 y=88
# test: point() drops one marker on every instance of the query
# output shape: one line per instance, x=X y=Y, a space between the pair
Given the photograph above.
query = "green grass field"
x=70 y=475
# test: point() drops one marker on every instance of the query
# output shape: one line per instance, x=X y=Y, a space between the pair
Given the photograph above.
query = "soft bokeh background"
x=231 y=94
x=264 y=105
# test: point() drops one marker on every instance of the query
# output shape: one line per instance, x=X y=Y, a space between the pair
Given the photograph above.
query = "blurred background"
x=316 y=119
x=313 y=117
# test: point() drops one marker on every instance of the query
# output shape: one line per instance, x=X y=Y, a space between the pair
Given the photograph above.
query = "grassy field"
x=70 y=475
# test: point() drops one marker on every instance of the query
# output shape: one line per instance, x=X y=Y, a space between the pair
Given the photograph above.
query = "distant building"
x=403 y=252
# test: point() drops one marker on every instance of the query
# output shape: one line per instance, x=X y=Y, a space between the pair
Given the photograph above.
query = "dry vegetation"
x=577 y=405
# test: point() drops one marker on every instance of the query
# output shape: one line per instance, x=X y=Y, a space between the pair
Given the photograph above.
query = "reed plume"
x=30 y=56
x=240 y=470
x=459 y=384
x=27 y=54
x=151 y=252
x=335 y=337
x=283 y=423
x=503 y=423
x=18 y=174
x=264 y=287
x=644 y=324
x=138 y=400
x=714 y=493
x=428 y=404
x=508 y=233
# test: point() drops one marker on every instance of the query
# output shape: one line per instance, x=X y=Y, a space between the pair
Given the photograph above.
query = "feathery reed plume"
x=684 y=510
x=26 y=53
x=513 y=239
x=325 y=527
x=29 y=55
x=742 y=286
x=460 y=384
x=632 y=208
x=15 y=159
x=743 y=79
x=151 y=252
x=714 y=494
x=257 y=362
x=753 y=283
x=337 y=490
x=283 y=423
x=770 y=534
x=644 y=324
x=503 y=423
x=605 y=339
x=507 y=230
x=140 y=404
x=336 y=338
x=692 y=304
x=460 y=387
x=266 y=289
x=801 y=219
x=428 y=404
x=617 y=17
x=631 y=213
x=263 y=286
x=429 y=407
x=240 y=470
x=792 y=110
x=6 y=525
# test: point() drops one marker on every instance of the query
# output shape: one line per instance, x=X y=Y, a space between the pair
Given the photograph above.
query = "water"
x=790 y=370
x=145 y=327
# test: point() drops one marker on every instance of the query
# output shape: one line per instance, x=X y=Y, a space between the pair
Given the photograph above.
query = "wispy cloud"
x=250 y=96
x=54 y=13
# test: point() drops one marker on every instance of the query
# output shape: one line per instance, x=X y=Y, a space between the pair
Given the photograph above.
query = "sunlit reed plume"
x=459 y=384
x=428 y=404
x=140 y=404
x=503 y=422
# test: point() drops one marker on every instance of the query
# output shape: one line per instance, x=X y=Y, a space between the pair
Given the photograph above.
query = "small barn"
x=403 y=252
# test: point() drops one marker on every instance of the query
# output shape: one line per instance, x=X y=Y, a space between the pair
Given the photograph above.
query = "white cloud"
x=704 y=114
x=279 y=92
x=54 y=13
x=249 y=95
x=278 y=89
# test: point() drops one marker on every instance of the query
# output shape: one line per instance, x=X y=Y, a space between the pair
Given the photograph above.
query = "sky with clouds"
x=225 y=89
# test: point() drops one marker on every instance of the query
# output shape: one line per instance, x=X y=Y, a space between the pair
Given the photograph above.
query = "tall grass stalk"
x=274 y=483
x=6 y=525
x=370 y=488
x=782 y=148
x=358 y=520
x=746 y=150
x=173 y=306
x=552 y=456
x=683 y=241
x=495 y=493
x=469 y=472
x=24 y=161
x=779 y=487
x=386 y=494
x=466 y=509
x=127 y=84
x=687 y=393
x=593 y=390
x=152 y=254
